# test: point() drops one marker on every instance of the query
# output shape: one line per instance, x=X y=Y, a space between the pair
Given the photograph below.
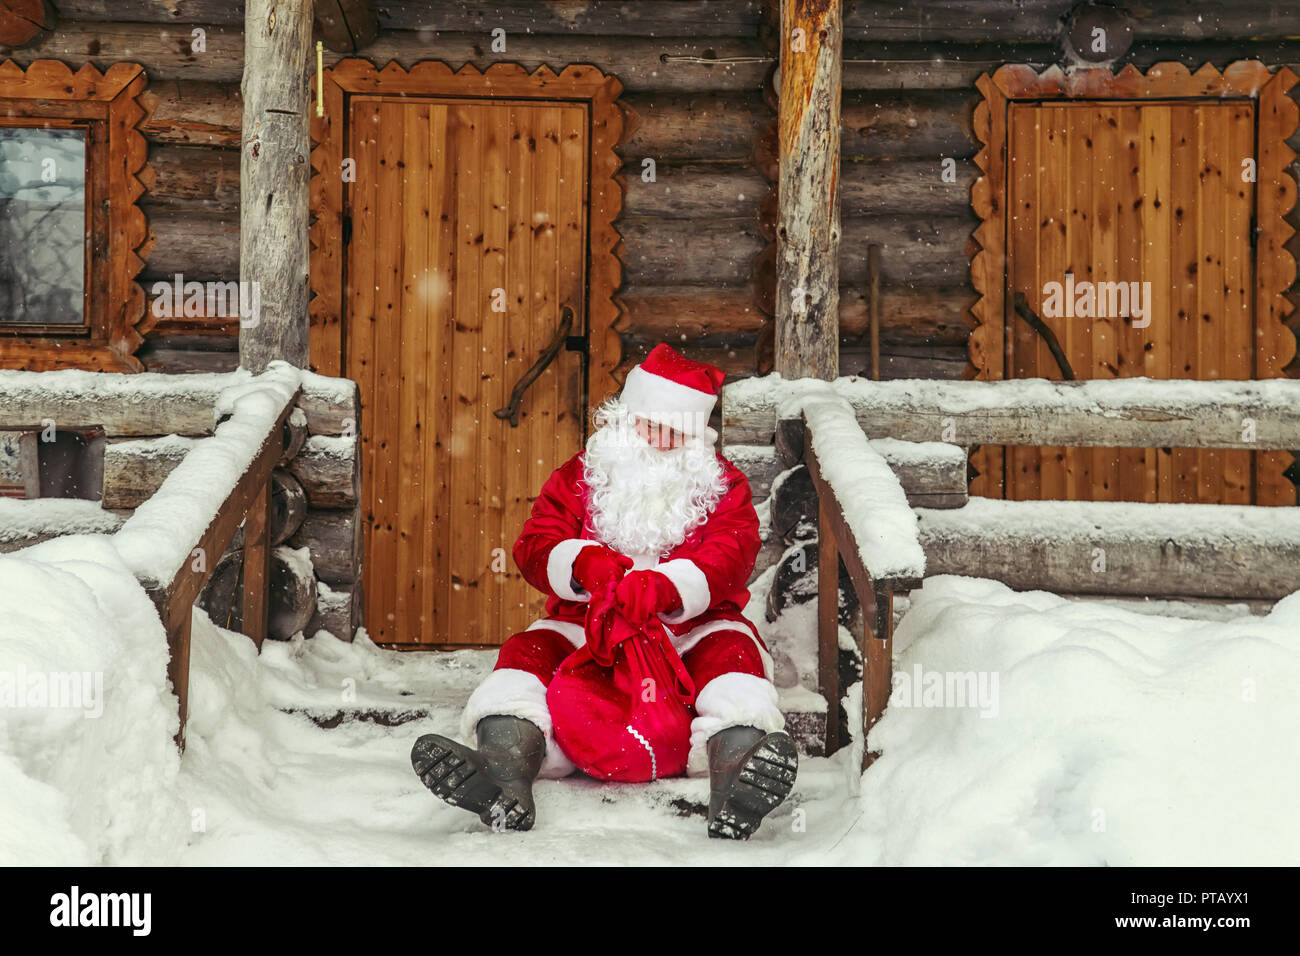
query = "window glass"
x=42 y=226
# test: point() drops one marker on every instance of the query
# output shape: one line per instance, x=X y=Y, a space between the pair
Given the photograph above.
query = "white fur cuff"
x=692 y=586
x=515 y=693
x=731 y=700
x=559 y=568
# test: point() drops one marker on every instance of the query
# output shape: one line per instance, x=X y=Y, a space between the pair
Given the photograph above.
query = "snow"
x=1105 y=737
x=1002 y=523
x=157 y=539
x=27 y=519
x=94 y=782
x=875 y=507
x=1094 y=396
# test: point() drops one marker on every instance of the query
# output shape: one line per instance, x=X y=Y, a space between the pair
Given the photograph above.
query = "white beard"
x=642 y=500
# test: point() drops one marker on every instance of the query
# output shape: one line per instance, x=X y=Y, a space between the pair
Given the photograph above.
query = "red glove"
x=643 y=594
x=597 y=568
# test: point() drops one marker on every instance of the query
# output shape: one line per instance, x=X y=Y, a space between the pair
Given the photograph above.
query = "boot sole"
x=455 y=774
x=765 y=780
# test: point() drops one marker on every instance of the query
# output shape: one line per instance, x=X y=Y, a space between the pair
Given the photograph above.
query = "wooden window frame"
x=114 y=318
x=507 y=81
x=1277 y=115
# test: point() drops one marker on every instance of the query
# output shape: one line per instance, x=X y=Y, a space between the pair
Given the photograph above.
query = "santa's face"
x=658 y=436
x=648 y=486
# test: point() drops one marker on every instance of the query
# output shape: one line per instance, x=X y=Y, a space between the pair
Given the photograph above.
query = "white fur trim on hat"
x=731 y=700
x=559 y=568
x=509 y=692
x=692 y=586
x=666 y=402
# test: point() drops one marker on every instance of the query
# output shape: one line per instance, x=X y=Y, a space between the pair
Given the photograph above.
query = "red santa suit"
x=721 y=649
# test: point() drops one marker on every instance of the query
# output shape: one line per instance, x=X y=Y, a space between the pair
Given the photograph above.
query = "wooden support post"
x=808 y=228
x=828 y=623
x=273 y=174
x=257 y=565
x=176 y=618
x=877 y=665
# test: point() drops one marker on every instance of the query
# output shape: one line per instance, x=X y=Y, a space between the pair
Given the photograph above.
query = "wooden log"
x=689 y=127
x=760 y=465
x=917 y=125
x=150 y=405
x=187 y=361
x=332 y=410
x=135 y=469
x=678 y=314
x=166 y=52
x=808 y=230
x=923 y=66
x=910 y=187
x=920 y=252
x=335 y=612
x=828 y=625
x=288 y=506
x=328 y=469
x=199 y=245
x=291 y=594
x=346 y=26
x=196 y=113
x=22 y=21
x=334 y=540
x=1099 y=413
x=274 y=209
x=1038 y=21
x=692 y=191
x=644 y=63
x=646 y=18
x=222 y=12
x=675 y=251
x=909 y=315
x=1078 y=547
x=192 y=178
x=295 y=436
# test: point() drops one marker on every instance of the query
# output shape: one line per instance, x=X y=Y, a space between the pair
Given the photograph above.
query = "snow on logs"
x=154 y=421
x=1142 y=549
x=1110 y=413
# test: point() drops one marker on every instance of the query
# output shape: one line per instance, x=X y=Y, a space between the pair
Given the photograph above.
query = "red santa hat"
x=670 y=389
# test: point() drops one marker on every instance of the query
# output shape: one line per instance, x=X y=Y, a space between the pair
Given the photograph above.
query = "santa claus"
x=644 y=665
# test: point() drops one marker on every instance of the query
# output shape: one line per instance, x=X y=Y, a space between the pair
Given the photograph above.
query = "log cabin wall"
x=698 y=259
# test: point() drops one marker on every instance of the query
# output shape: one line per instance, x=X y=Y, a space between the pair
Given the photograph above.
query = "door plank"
x=412 y=362
x=1137 y=466
x=1238 y=324
x=466 y=402
x=1212 y=330
x=387 y=252
x=359 y=332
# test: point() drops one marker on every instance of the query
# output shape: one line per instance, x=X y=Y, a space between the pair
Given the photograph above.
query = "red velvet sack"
x=621 y=706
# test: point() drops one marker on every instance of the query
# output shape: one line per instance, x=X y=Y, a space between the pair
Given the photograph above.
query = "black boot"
x=750 y=773
x=495 y=781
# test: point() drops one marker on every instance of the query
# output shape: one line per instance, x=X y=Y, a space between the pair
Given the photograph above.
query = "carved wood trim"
x=116 y=159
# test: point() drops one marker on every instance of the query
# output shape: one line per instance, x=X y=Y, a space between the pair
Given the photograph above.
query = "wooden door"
x=469 y=220
x=1133 y=192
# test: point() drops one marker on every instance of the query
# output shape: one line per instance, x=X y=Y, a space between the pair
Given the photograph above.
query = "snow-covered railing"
x=173 y=540
x=1105 y=413
x=864 y=520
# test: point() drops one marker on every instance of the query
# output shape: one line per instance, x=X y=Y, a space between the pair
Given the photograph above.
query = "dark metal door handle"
x=511 y=411
x=1043 y=329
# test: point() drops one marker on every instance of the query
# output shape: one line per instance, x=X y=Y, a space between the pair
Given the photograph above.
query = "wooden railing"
x=855 y=491
x=248 y=502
